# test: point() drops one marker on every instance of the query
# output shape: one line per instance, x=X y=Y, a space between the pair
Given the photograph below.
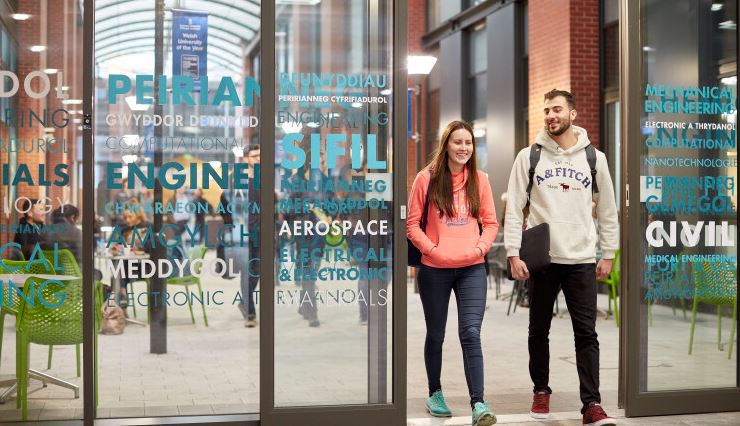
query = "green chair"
x=715 y=284
x=195 y=253
x=614 y=280
x=46 y=319
x=21 y=267
x=68 y=265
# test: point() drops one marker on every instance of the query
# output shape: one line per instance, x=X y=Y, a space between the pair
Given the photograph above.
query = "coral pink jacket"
x=456 y=238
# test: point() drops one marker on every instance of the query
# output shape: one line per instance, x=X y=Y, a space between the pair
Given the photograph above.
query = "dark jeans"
x=249 y=279
x=469 y=285
x=579 y=287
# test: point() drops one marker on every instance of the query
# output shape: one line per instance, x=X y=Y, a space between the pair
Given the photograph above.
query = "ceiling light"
x=237 y=152
x=65 y=87
x=421 y=64
x=357 y=105
x=313 y=125
x=299 y=2
x=37 y=48
x=479 y=133
x=130 y=140
x=131 y=158
x=648 y=49
x=291 y=127
x=215 y=164
x=729 y=81
x=51 y=70
x=728 y=25
x=134 y=106
x=386 y=92
x=717 y=7
x=20 y=16
x=72 y=102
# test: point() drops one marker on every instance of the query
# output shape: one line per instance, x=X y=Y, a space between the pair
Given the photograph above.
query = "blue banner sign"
x=189 y=44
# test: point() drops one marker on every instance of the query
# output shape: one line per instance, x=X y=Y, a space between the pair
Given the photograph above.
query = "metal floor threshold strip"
x=502 y=419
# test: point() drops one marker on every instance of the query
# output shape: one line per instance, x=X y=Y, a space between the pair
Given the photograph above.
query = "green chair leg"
x=693 y=323
x=190 y=304
x=732 y=330
x=22 y=375
x=2 y=324
x=134 y=299
x=683 y=308
x=719 y=327
x=613 y=293
x=48 y=359
x=203 y=305
x=96 y=377
x=18 y=370
x=77 y=349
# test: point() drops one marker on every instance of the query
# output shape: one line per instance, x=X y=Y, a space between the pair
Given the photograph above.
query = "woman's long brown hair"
x=441 y=182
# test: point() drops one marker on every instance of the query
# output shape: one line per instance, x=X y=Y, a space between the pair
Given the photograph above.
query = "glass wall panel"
x=688 y=195
x=333 y=301
x=175 y=120
x=41 y=209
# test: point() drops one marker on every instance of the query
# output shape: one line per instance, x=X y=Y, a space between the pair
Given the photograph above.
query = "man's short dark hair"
x=554 y=93
x=250 y=148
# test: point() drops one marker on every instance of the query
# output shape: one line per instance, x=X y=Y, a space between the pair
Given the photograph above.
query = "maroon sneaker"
x=540 y=405
x=595 y=416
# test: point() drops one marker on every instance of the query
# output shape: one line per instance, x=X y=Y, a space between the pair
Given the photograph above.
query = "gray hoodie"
x=561 y=196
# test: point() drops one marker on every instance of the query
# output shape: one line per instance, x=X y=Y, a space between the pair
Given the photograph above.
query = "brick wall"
x=56 y=27
x=564 y=54
x=416 y=29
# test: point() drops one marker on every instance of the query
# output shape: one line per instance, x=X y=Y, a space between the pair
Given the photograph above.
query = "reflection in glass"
x=333 y=163
x=187 y=347
x=688 y=172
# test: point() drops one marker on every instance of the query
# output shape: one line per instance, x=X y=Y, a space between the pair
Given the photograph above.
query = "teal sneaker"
x=482 y=415
x=437 y=406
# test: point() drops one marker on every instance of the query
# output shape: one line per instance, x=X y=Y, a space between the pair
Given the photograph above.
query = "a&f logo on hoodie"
x=563 y=177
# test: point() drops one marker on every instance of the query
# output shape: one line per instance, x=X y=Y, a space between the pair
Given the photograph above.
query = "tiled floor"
x=215 y=370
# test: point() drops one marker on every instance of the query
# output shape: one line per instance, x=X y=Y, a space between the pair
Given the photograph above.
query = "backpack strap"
x=591 y=157
x=425 y=213
x=534 y=158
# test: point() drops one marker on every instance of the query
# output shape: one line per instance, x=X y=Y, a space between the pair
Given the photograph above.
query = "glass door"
x=335 y=182
x=680 y=107
x=175 y=125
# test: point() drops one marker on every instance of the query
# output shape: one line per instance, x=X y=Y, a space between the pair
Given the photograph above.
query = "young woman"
x=453 y=254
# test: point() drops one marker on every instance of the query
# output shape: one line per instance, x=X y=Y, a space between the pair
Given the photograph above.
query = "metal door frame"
x=632 y=367
x=360 y=415
x=370 y=415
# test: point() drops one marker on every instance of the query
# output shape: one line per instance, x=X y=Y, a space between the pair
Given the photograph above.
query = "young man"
x=250 y=274
x=561 y=195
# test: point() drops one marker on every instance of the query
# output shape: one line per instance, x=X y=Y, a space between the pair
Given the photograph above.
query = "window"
x=475 y=105
x=477 y=59
x=432 y=14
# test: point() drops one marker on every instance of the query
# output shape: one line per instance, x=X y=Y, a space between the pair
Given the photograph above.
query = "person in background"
x=355 y=243
x=202 y=208
x=135 y=221
x=65 y=231
x=563 y=189
x=250 y=274
x=178 y=202
x=310 y=179
x=31 y=229
x=453 y=251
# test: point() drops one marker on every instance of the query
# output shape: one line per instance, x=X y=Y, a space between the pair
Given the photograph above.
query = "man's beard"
x=565 y=126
